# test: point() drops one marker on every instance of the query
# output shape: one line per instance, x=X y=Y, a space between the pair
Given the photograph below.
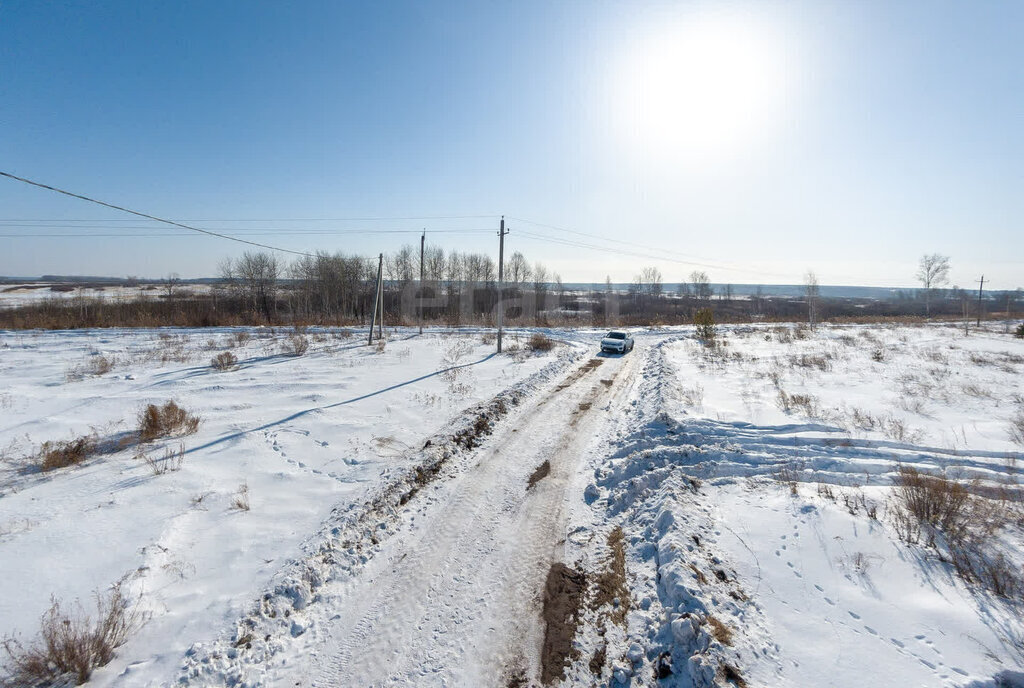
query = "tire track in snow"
x=456 y=598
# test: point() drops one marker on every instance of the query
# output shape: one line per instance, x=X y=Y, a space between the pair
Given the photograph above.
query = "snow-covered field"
x=14 y=295
x=754 y=492
x=725 y=515
x=302 y=434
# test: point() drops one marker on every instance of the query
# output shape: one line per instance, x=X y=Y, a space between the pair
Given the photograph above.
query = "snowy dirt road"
x=454 y=598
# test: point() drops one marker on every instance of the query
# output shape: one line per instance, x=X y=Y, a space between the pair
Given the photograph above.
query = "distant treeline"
x=461 y=289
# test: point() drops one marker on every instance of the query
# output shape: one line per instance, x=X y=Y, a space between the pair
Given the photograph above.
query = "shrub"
x=94 y=366
x=934 y=501
x=541 y=342
x=297 y=344
x=163 y=421
x=704 y=319
x=71 y=643
x=1019 y=332
x=66 y=453
x=1017 y=428
x=170 y=461
x=224 y=361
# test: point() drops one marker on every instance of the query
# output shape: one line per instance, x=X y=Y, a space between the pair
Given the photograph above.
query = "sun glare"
x=704 y=87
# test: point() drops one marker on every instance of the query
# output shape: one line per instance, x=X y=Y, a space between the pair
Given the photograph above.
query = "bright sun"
x=705 y=87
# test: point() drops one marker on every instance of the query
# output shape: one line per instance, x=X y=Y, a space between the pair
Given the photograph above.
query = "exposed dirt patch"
x=563 y=596
x=610 y=589
x=733 y=676
x=583 y=370
x=585 y=405
x=539 y=474
x=607 y=382
x=598 y=659
x=516 y=676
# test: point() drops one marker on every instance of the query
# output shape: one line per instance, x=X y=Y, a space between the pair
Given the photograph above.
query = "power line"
x=193 y=236
x=151 y=217
x=277 y=219
x=702 y=262
x=249 y=231
x=637 y=254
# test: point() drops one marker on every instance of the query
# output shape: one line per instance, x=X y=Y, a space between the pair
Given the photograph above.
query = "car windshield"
x=616 y=335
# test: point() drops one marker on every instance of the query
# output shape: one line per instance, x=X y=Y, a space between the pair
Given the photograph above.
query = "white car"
x=617 y=342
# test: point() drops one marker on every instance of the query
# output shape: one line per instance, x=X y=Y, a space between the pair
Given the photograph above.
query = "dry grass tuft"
x=1017 y=428
x=164 y=421
x=66 y=453
x=932 y=502
x=71 y=643
x=297 y=344
x=541 y=342
x=241 y=500
x=720 y=631
x=225 y=360
x=170 y=461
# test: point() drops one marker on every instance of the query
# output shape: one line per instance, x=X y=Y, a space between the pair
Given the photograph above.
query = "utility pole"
x=380 y=290
x=423 y=240
x=501 y=277
x=376 y=297
x=980 y=286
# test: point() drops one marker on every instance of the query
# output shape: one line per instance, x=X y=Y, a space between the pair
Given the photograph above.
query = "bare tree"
x=812 y=290
x=254 y=276
x=650 y=278
x=701 y=285
x=170 y=282
x=518 y=270
x=932 y=273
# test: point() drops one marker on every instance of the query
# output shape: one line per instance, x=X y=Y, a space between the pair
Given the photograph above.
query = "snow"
x=305 y=434
x=717 y=485
x=394 y=537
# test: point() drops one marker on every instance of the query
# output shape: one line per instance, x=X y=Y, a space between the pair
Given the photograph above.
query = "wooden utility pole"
x=980 y=286
x=380 y=290
x=501 y=277
x=423 y=240
x=376 y=297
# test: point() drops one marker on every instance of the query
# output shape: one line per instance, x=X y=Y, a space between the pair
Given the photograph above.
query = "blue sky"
x=764 y=139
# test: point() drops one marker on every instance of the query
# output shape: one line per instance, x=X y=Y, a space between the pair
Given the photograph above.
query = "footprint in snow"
x=896 y=642
x=870 y=630
x=853 y=614
x=819 y=588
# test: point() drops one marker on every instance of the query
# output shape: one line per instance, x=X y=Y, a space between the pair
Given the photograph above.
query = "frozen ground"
x=303 y=434
x=723 y=514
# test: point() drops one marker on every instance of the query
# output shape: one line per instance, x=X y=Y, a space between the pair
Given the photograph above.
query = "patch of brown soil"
x=539 y=474
x=563 y=596
x=733 y=676
x=583 y=370
x=610 y=586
